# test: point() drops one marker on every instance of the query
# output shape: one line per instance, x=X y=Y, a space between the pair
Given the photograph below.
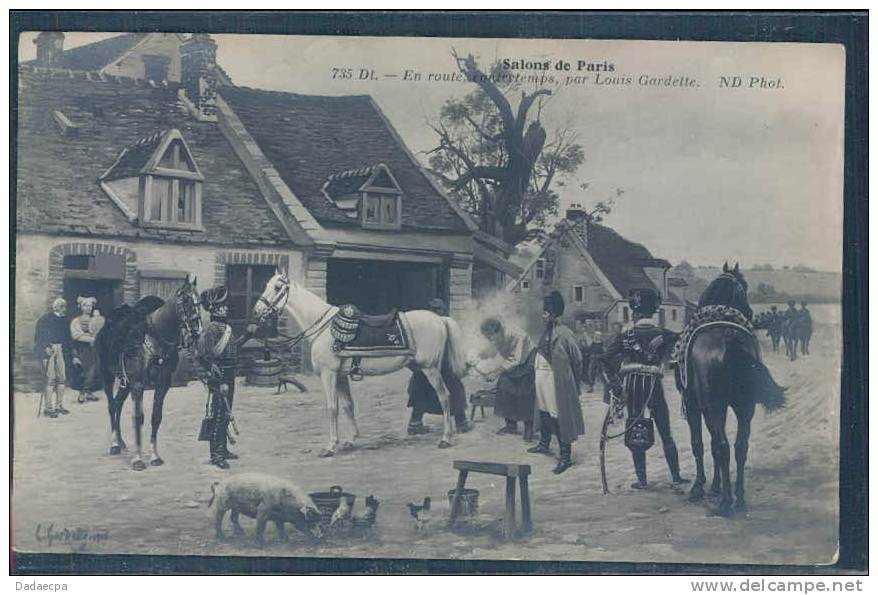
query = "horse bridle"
x=190 y=322
x=273 y=307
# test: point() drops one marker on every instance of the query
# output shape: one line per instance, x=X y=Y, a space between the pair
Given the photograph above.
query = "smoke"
x=510 y=308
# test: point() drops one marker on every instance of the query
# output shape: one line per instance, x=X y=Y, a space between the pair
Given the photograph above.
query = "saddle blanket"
x=704 y=315
x=391 y=339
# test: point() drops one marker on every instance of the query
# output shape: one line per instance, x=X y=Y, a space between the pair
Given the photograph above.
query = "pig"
x=265 y=498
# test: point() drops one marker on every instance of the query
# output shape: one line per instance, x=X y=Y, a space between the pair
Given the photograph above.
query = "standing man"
x=775 y=328
x=557 y=374
x=790 y=320
x=423 y=398
x=53 y=348
x=806 y=323
x=639 y=352
x=217 y=351
x=585 y=339
x=516 y=398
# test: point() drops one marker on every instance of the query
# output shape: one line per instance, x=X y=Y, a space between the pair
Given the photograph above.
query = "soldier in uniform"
x=422 y=395
x=633 y=359
x=217 y=351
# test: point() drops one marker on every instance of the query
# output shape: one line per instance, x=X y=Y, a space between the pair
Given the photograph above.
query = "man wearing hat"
x=557 y=376
x=633 y=359
x=53 y=348
x=422 y=396
x=217 y=351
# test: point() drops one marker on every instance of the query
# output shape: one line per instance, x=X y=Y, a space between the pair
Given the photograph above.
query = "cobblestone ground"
x=65 y=478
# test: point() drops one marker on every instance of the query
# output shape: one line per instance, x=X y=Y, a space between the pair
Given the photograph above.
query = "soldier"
x=807 y=325
x=423 y=398
x=217 y=351
x=557 y=375
x=633 y=359
x=53 y=348
x=775 y=328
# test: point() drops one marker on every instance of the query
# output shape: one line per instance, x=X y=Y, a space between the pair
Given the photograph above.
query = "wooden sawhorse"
x=510 y=472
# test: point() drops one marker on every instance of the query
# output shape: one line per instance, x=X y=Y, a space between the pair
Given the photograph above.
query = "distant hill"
x=810 y=286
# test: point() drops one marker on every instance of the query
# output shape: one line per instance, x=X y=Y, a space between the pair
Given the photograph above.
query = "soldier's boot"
x=566 y=460
x=674 y=464
x=511 y=427
x=416 y=423
x=545 y=435
x=227 y=454
x=639 y=457
x=217 y=445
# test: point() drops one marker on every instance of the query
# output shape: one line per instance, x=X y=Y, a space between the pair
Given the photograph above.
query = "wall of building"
x=163 y=44
x=40 y=273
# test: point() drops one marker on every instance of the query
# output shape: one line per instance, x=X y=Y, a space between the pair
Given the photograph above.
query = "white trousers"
x=544 y=379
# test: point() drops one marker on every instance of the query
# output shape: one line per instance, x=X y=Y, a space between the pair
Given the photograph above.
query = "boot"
x=511 y=427
x=227 y=454
x=59 y=400
x=416 y=423
x=639 y=457
x=566 y=461
x=528 y=431
x=217 y=445
x=674 y=464
x=545 y=435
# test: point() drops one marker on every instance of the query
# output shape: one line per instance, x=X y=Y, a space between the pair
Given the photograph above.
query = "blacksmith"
x=634 y=361
x=516 y=398
x=53 y=348
x=217 y=351
x=557 y=375
x=423 y=398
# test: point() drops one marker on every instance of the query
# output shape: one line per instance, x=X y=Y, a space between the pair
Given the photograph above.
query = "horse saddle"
x=362 y=335
x=125 y=329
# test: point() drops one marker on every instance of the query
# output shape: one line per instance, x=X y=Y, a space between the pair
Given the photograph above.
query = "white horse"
x=433 y=337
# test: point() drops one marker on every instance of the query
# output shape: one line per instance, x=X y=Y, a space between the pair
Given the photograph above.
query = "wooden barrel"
x=265 y=372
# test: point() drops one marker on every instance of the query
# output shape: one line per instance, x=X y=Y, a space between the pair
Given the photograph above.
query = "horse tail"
x=753 y=378
x=454 y=350
x=212 y=493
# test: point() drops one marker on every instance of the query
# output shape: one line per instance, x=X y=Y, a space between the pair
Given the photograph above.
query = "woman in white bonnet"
x=83 y=329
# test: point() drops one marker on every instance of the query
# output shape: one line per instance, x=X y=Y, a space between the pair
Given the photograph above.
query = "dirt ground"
x=64 y=478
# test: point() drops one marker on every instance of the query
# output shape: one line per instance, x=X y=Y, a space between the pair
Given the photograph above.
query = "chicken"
x=342 y=514
x=421 y=513
x=369 y=515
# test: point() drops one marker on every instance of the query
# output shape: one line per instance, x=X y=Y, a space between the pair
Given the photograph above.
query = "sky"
x=707 y=173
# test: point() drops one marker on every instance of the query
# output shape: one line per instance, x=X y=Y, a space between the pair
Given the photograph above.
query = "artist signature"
x=77 y=537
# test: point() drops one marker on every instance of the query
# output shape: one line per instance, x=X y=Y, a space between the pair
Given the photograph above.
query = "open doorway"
x=98 y=276
x=376 y=287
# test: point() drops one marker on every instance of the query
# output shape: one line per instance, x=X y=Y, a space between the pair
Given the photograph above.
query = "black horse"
x=723 y=369
x=140 y=345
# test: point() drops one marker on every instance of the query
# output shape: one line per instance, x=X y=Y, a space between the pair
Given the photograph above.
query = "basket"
x=327 y=502
x=469 y=502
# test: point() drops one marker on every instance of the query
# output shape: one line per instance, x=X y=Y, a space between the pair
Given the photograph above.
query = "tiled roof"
x=309 y=138
x=621 y=260
x=347 y=182
x=135 y=157
x=57 y=181
x=97 y=55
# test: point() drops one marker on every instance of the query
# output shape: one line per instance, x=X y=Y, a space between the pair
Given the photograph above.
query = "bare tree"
x=497 y=159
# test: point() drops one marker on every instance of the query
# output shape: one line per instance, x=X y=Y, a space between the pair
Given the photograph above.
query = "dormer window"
x=369 y=195
x=155 y=68
x=157 y=182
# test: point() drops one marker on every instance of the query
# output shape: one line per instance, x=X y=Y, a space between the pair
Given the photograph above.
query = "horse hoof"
x=138 y=465
x=725 y=510
x=696 y=495
x=157 y=462
x=444 y=444
x=325 y=453
x=115 y=450
x=740 y=506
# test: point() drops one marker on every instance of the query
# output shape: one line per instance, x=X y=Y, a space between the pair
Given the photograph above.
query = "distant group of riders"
x=794 y=326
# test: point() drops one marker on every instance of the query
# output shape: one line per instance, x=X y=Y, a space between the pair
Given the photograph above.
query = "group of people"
x=538 y=384
x=66 y=351
x=792 y=321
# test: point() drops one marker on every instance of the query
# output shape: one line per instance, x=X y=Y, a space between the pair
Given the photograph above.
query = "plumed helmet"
x=213 y=298
x=643 y=301
x=554 y=304
x=437 y=305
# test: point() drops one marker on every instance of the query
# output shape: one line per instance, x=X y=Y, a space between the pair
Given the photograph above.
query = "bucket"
x=327 y=502
x=469 y=502
x=265 y=372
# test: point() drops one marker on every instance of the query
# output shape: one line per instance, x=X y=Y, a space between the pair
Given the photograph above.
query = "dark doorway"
x=378 y=286
x=98 y=276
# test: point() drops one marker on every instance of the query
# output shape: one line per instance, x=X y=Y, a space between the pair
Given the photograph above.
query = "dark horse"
x=723 y=369
x=138 y=345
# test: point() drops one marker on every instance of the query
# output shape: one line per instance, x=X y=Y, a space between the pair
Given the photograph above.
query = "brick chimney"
x=578 y=218
x=198 y=75
x=50 y=46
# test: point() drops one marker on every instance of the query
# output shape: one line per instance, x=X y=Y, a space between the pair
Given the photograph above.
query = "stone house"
x=125 y=184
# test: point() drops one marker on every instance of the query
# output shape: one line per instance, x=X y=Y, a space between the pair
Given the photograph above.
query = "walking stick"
x=43 y=395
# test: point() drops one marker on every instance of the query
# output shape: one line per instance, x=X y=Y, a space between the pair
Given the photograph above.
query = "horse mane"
x=728 y=289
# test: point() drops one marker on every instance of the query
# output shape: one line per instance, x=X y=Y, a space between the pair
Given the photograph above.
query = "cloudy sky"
x=708 y=174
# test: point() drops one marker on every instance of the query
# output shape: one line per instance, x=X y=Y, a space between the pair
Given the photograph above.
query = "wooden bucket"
x=265 y=372
x=328 y=502
x=469 y=502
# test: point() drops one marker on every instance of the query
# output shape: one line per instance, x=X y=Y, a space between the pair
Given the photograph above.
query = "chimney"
x=50 y=46
x=198 y=75
x=578 y=218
